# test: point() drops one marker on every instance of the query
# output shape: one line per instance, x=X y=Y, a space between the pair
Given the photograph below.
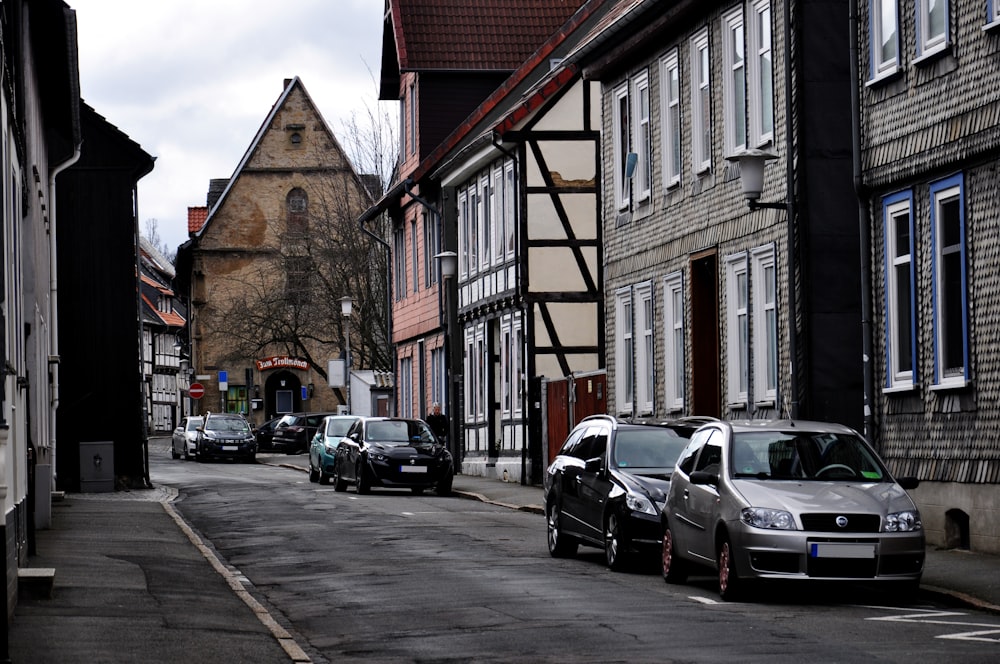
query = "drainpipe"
x=790 y=203
x=54 y=317
x=864 y=228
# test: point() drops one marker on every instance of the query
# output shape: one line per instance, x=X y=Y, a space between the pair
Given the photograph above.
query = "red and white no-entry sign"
x=196 y=391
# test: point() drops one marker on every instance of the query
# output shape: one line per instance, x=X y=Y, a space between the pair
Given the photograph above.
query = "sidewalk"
x=134 y=583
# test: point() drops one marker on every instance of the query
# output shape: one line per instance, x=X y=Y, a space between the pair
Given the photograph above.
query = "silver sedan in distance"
x=781 y=500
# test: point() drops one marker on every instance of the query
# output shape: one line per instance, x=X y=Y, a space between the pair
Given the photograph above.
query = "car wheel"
x=313 y=473
x=615 y=546
x=174 y=454
x=673 y=567
x=251 y=458
x=323 y=478
x=363 y=485
x=417 y=490
x=187 y=453
x=730 y=584
x=339 y=483
x=560 y=544
x=443 y=487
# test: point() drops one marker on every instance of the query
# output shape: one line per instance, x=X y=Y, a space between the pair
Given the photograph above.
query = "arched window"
x=297 y=203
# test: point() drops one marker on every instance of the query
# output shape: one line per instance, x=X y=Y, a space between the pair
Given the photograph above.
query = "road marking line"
x=703 y=600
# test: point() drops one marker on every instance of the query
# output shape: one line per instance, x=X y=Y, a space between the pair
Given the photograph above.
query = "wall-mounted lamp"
x=448 y=262
x=751 y=163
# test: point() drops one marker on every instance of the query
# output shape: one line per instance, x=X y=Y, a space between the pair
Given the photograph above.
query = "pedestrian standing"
x=438 y=421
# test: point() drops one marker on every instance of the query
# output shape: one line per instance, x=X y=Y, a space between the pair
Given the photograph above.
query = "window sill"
x=884 y=77
x=992 y=26
x=766 y=403
x=901 y=388
x=932 y=55
x=737 y=405
x=954 y=384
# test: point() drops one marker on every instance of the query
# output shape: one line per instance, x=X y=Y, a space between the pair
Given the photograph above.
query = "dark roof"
x=481 y=35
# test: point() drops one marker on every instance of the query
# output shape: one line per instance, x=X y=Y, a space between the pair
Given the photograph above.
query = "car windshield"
x=226 y=424
x=338 y=427
x=193 y=423
x=647 y=448
x=399 y=431
x=797 y=455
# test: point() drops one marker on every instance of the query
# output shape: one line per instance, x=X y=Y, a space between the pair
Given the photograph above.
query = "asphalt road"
x=397 y=577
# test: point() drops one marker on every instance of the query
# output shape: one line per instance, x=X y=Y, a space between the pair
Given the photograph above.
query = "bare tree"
x=152 y=233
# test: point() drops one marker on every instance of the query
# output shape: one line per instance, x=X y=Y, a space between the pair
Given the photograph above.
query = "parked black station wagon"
x=607 y=485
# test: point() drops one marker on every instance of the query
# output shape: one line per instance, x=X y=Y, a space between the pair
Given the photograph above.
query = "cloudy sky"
x=191 y=81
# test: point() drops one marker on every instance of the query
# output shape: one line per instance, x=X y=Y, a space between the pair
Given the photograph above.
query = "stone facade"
x=263 y=245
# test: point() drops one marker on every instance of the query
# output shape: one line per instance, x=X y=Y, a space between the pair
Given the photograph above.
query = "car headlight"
x=763 y=517
x=330 y=449
x=639 y=503
x=902 y=522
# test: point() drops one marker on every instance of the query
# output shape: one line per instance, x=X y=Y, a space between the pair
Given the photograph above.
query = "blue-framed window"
x=949 y=282
x=900 y=291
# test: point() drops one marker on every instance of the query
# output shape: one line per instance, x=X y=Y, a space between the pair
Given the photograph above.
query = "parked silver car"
x=185 y=437
x=789 y=500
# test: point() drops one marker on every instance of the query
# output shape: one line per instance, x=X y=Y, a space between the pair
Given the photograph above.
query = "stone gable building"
x=265 y=269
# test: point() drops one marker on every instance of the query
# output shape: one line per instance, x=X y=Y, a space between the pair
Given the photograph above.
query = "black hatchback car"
x=294 y=432
x=607 y=485
x=392 y=452
x=225 y=436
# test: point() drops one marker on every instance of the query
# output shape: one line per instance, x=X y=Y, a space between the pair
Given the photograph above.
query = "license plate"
x=230 y=448
x=834 y=550
x=413 y=469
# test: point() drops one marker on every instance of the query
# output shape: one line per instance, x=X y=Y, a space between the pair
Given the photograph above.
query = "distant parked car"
x=323 y=449
x=184 y=438
x=294 y=432
x=225 y=436
x=606 y=486
x=788 y=500
x=393 y=453
x=264 y=433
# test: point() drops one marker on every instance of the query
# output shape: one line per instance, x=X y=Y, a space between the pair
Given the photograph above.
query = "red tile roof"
x=478 y=35
x=196 y=219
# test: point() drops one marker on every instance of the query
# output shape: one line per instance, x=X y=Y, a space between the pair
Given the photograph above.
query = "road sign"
x=196 y=391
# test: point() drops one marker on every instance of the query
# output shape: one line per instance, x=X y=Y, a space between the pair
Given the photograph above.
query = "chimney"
x=215 y=188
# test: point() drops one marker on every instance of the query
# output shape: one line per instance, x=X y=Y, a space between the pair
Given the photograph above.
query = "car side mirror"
x=593 y=465
x=701 y=477
x=908 y=483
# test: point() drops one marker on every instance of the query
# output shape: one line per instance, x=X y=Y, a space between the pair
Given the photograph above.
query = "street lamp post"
x=346 y=304
x=448 y=262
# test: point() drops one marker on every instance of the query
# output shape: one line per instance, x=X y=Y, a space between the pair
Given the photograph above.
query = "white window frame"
x=482 y=371
x=764 y=310
x=499 y=195
x=929 y=43
x=406 y=387
x=944 y=260
x=701 y=103
x=896 y=209
x=470 y=374
x=517 y=362
x=474 y=227
x=624 y=352
x=674 y=378
x=506 y=369
x=439 y=379
x=511 y=204
x=432 y=247
x=485 y=220
x=737 y=330
x=415 y=255
x=734 y=82
x=670 y=114
x=463 y=233
x=884 y=24
x=760 y=92
x=992 y=14
x=621 y=146
x=399 y=261
x=413 y=118
x=645 y=348
x=642 y=122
